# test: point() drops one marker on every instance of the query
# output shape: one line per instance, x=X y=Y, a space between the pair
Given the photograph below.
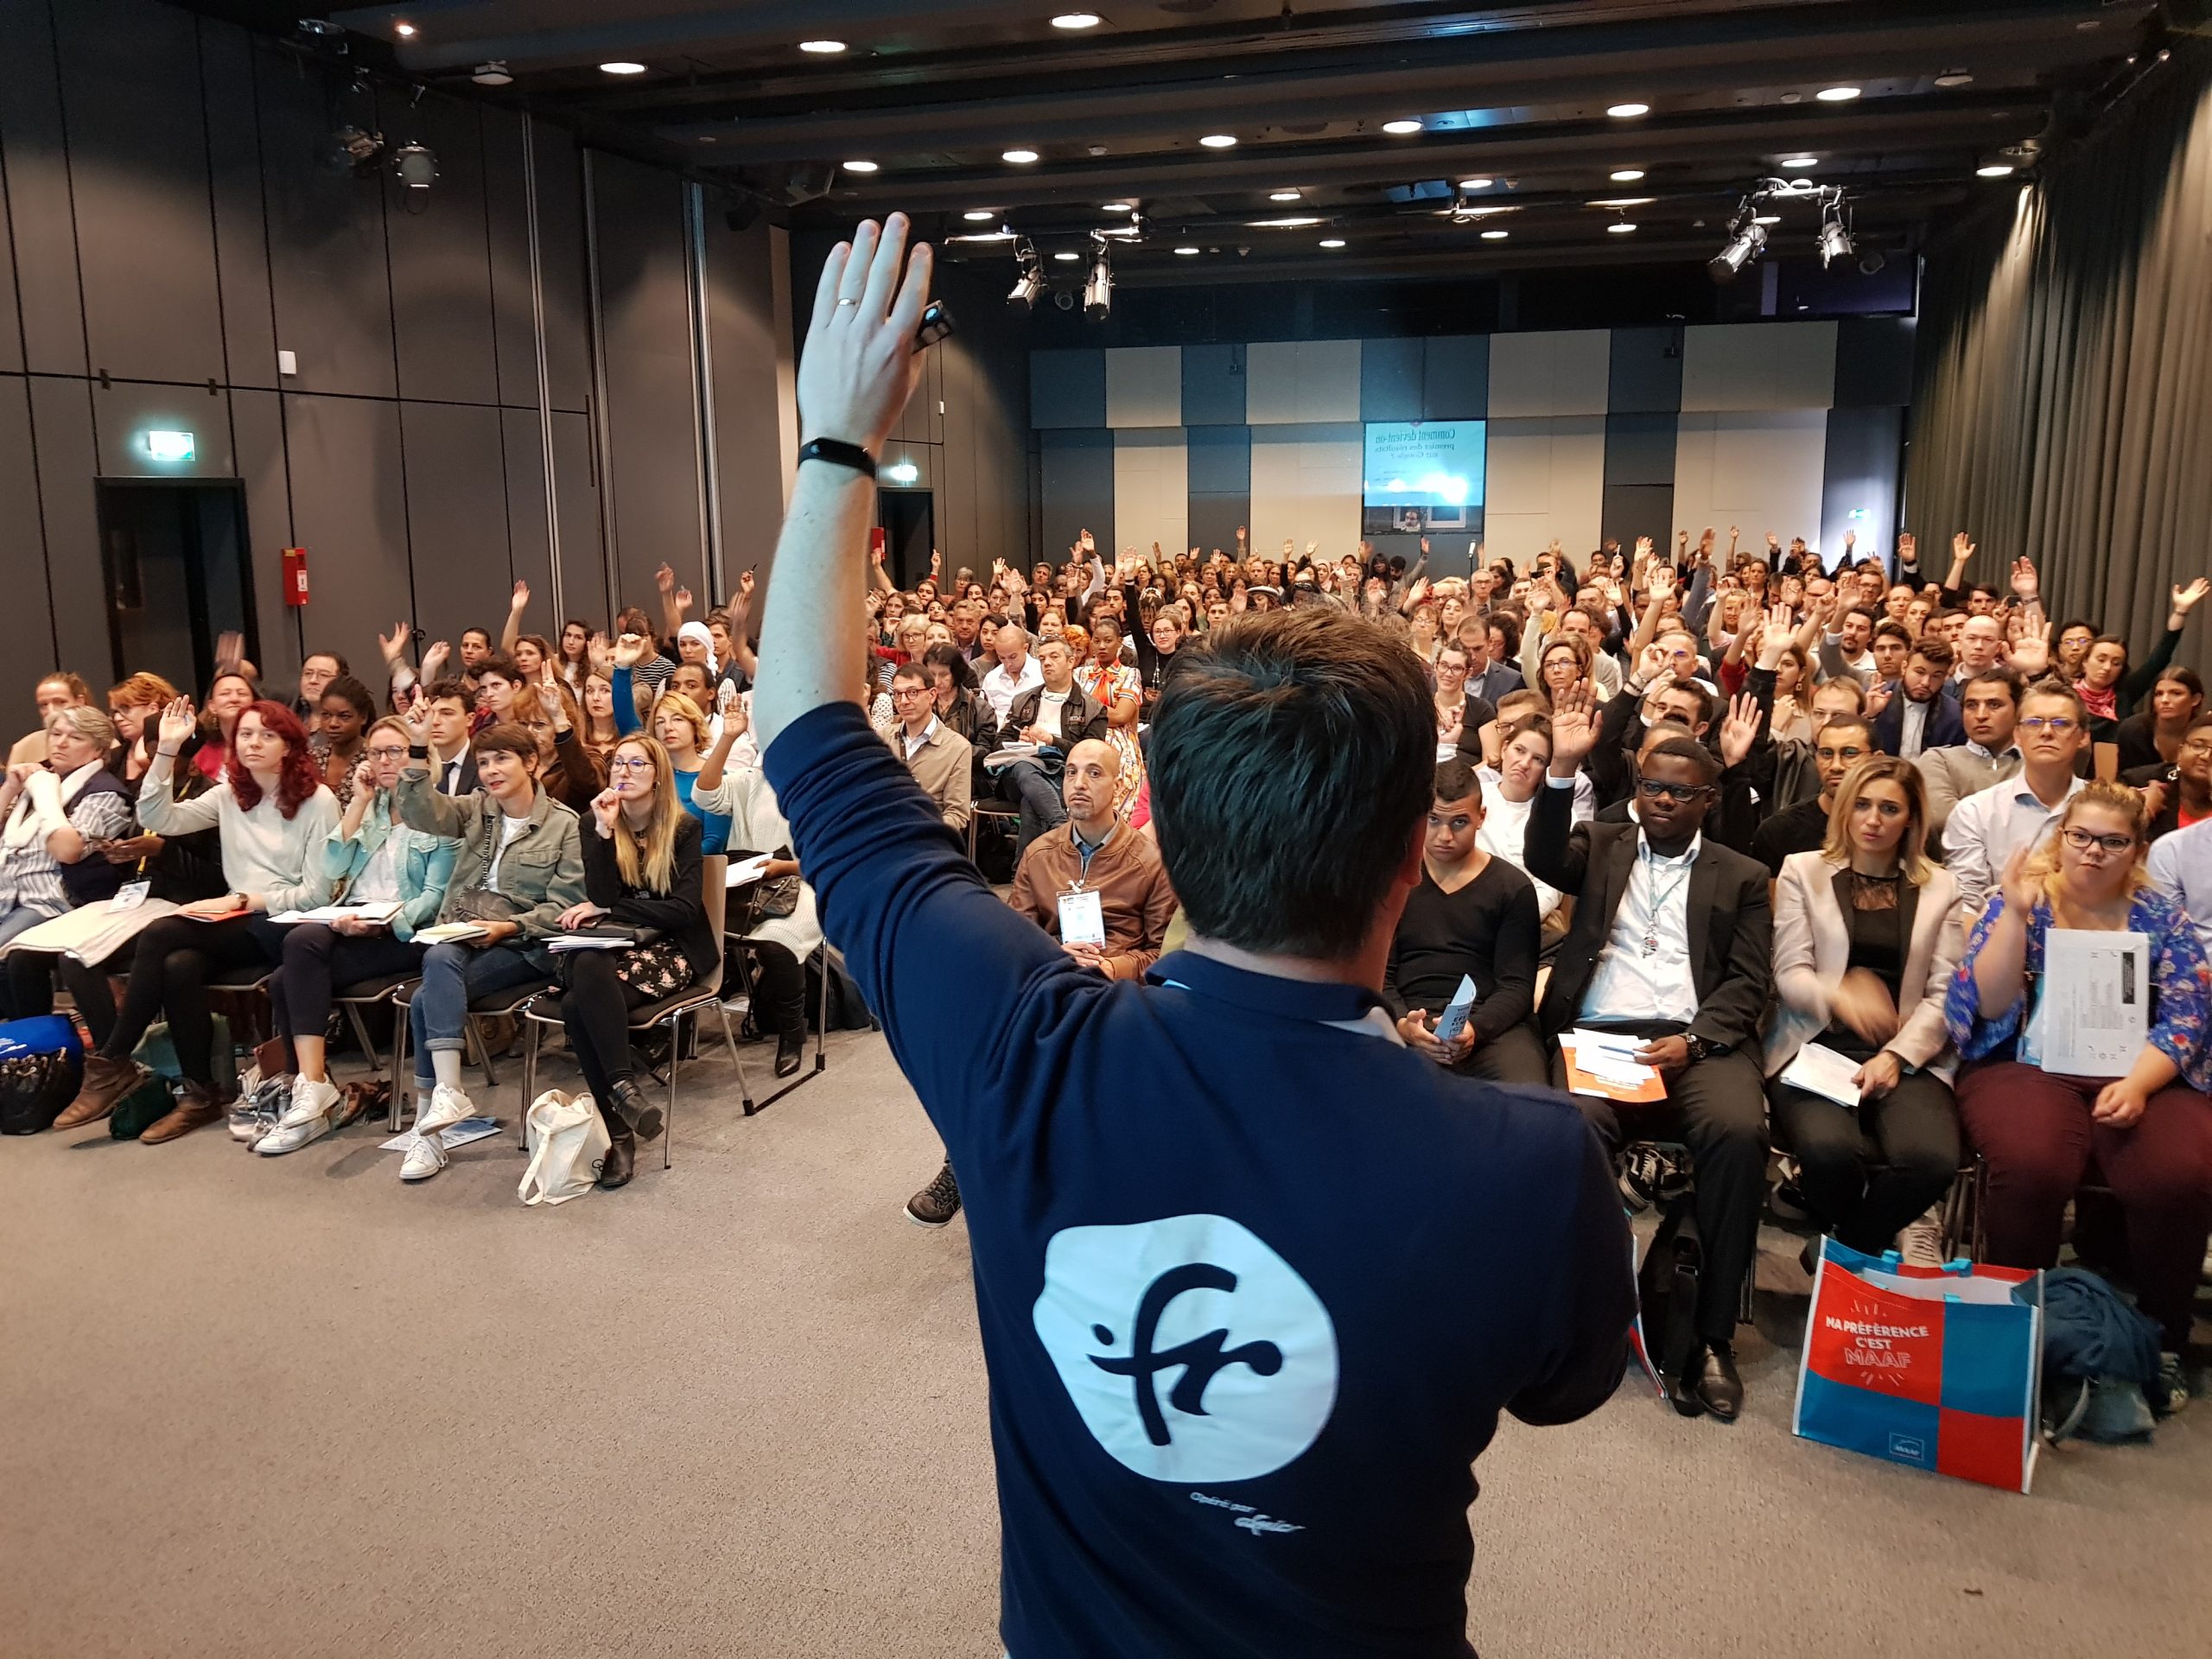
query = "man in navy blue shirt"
x=1254 y=1280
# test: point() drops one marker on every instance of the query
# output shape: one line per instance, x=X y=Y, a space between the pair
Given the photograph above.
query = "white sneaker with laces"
x=426 y=1156
x=1921 y=1242
x=293 y=1134
x=312 y=1098
x=447 y=1108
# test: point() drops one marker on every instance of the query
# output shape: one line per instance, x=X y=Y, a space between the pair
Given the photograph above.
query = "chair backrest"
x=715 y=874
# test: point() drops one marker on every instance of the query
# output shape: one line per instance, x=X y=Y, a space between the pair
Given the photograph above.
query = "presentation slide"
x=1424 y=464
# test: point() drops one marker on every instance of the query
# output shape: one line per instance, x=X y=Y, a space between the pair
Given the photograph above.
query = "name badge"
x=1083 y=919
x=129 y=896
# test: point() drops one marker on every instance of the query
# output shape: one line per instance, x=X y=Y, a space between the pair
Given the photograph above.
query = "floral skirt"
x=649 y=972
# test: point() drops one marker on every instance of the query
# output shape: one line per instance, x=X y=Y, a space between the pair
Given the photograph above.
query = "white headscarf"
x=704 y=635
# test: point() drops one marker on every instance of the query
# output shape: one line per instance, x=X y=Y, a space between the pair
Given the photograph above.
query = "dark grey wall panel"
x=1213 y=385
x=530 y=552
x=327 y=240
x=1220 y=464
x=747 y=345
x=1455 y=377
x=68 y=461
x=1078 y=485
x=983 y=502
x=441 y=259
x=1873 y=361
x=1640 y=448
x=38 y=191
x=1067 y=389
x=456 y=516
x=11 y=339
x=1862 y=475
x=507 y=243
x=241 y=232
x=350 y=514
x=645 y=319
x=1634 y=510
x=583 y=563
x=258 y=427
x=562 y=258
x=124 y=411
x=1391 y=374
x=138 y=170
x=22 y=548
x=1645 y=373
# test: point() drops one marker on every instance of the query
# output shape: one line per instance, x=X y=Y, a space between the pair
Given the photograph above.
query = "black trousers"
x=168 y=977
x=30 y=980
x=1865 y=1174
x=1718 y=1108
x=779 y=990
x=318 y=960
x=1515 y=1055
x=595 y=1010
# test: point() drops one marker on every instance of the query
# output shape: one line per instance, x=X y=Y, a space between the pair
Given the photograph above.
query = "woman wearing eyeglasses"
x=371 y=858
x=2148 y=1130
x=1864 y=950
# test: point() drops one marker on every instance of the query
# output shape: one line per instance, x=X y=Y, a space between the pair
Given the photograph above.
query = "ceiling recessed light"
x=1332 y=241
x=1994 y=170
x=1399 y=129
x=824 y=47
x=1495 y=236
x=1625 y=201
x=623 y=68
x=496 y=74
x=1019 y=157
x=1621 y=229
x=1836 y=94
x=1475 y=184
x=1623 y=111
x=1766 y=218
x=1186 y=252
x=1117 y=206
x=980 y=215
x=1954 y=78
x=1625 y=174
x=1067 y=257
x=405 y=31
x=1220 y=140
x=1077 y=20
x=860 y=167
x=1282 y=195
x=1294 y=222
x=1801 y=161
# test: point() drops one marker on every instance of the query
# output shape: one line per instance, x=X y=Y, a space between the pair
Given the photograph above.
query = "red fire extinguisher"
x=295 y=575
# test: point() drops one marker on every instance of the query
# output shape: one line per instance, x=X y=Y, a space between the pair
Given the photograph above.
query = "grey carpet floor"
x=253 y=1407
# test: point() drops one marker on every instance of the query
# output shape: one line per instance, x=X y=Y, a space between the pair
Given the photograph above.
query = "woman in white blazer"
x=1863 y=955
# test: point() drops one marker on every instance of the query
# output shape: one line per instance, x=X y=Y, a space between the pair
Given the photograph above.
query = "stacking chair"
x=543 y=1009
x=502 y=1004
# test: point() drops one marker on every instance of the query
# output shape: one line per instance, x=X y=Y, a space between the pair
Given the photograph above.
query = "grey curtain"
x=2062 y=406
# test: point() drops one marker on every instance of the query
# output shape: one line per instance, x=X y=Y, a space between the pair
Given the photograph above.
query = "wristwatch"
x=1699 y=1047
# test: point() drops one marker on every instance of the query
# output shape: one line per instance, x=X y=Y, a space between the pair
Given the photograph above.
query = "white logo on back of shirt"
x=1191 y=1350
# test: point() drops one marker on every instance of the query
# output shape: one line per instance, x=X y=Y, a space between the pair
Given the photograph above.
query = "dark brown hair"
x=1290 y=765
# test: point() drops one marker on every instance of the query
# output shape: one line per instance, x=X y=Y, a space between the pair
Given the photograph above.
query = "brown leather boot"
x=196 y=1106
x=105 y=1083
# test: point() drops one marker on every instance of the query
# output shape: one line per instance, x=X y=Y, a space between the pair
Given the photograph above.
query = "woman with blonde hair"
x=643 y=870
x=2149 y=1129
x=1864 y=950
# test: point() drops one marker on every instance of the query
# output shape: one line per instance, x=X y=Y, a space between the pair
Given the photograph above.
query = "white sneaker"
x=1921 y=1243
x=256 y=1111
x=312 y=1098
x=426 y=1156
x=447 y=1108
x=293 y=1134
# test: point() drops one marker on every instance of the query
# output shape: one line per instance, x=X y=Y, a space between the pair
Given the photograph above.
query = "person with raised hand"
x=1365 y=1350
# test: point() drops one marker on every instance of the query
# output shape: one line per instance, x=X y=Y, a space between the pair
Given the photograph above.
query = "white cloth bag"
x=568 y=1146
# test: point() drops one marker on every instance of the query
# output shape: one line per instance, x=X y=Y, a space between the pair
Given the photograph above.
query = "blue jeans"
x=452 y=976
x=20 y=919
x=1036 y=792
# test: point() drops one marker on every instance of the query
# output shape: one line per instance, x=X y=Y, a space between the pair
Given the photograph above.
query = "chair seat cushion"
x=373 y=990
x=644 y=1015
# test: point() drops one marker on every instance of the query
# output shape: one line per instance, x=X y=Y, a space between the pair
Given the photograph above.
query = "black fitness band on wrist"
x=838 y=452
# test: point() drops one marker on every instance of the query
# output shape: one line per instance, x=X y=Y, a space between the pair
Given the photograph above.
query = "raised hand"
x=1961 y=548
x=629 y=651
x=1877 y=698
x=177 y=723
x=394 y=644
x=1908 y=547
x=230 y=649
x=434 y=658
x=2025 y=586
x=2187 y=599
x=1574 y=729
x=682 y=600
x=518 y=601
x=860 y=367
x=747 y=581
x=664 y=578
x=1773 y=543
x=416 y=714
x=2020 y=889
x=936 y=565
x=1739 y=729
x=2030 y=653
x=1651 y=665
x=597 y=653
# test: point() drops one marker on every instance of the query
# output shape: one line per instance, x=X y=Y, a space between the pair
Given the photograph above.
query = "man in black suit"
x=453 y=757
x=1672 y=942
x=1925 y=715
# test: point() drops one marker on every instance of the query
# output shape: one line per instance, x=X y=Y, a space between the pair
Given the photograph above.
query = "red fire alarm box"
x=295 y=575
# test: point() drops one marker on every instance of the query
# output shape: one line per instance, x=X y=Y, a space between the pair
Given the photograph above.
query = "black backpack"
x=42 y=1063
x=1666 y=1287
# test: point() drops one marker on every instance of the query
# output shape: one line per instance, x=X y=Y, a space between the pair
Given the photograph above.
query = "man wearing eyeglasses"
x=1844 y=741
x=1672 y=942
x=1989 y=826
x=939 y=758
x=1989 y=705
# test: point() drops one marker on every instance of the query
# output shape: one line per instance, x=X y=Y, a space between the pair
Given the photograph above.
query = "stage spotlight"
x=1029 y=284
x=355 y=150
x=416 y=165
x=1098 y=292
x=1835 y=241
x=1747 y=240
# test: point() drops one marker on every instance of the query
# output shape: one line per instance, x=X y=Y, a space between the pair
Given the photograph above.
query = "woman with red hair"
x=272 y=815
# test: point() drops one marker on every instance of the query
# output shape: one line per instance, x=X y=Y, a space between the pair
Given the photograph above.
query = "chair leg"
x=475 y=1039
x=402 y=1043
x=531 y=1037
x=361 y=1032
x=744 y=1082
x=822 y=1014
x=675 y=1064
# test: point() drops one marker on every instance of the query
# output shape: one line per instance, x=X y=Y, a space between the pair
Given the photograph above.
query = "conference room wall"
x=168 y=224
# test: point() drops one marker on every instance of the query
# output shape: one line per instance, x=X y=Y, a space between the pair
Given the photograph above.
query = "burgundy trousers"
x=2036 y=1132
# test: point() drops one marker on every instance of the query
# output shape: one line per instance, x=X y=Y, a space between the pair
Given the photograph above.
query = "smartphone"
x=936 y=324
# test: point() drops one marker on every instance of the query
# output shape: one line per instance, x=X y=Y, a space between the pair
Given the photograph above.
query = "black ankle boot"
x=621 y=1157
x=634 y=1109
x=790 y=1047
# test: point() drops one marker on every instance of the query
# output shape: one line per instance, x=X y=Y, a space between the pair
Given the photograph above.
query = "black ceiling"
x=934 y=93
